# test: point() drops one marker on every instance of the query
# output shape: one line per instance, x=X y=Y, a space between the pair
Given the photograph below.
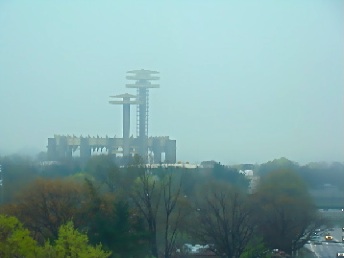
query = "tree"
x=171 y=200
x=47 y=204
x=229 y=175
x=158 y=197
x=17 y=172
x=277 y=164
x=318 y=174
x=256 y=248
x=105 y=171
x=111 y=222
x=61 y=169
x=147 y=195
x=15 y=241
x=224 y=219
x=285 y=212
x=73 y=244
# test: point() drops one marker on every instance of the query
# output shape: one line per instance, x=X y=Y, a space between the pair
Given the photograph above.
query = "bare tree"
x=224 y=221
x=171 y=198
x=147 y=195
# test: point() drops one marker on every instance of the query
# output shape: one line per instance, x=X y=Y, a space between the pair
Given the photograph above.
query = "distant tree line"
x=315 y=174
x=137 y=211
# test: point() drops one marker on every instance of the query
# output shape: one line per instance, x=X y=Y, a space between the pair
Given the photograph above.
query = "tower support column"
x=126 y=102
x=126 y=129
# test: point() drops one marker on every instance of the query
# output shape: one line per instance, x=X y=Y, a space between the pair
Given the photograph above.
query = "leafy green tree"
x=105 y=171
x=190 y=177
x=15 y=241
x=277 y=164
x=73 y=244
x=109 y=220
x=256 y=248
x=61 y=169
x=318 y=174
x=285 y=211
x=230 y=175
x=17 y=172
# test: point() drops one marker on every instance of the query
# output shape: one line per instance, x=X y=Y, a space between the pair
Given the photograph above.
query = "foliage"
x=318 y=174
x=15 y=241
x=61 y=169
x=256 y=248
x=315 y=174
x=104 y=170
x=277 y=164
x=73 y=244
x=111 y=222
x=230 y=175
x=137 y=210
x=285 y=211
x=17 y=172
x=47 y=204
x=109 y=176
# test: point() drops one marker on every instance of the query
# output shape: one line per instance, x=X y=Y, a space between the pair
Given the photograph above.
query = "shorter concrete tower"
x=126 y=102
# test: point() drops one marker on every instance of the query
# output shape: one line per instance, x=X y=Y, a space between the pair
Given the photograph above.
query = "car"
x=328 y=237
x=343 y=229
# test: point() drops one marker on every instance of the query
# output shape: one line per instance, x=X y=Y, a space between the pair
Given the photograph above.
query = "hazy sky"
x=241 y=81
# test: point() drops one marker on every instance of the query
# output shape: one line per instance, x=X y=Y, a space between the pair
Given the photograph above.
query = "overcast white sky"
x=241 y=81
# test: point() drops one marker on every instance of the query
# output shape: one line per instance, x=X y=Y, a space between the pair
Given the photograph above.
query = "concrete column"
x=170 y=151
x=52 y=153
x=142 y=112
x=157 y=155
x=126 y=129
x=85 y=150
x=62 y=147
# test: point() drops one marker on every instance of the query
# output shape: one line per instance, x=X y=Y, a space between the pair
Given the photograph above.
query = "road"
x=328 y=248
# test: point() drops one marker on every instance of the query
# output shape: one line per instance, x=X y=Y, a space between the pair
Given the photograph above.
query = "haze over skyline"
x=240 y=81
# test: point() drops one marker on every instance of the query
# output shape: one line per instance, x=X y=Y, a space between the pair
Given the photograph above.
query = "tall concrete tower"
x=142 y=82
x=126 y=102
